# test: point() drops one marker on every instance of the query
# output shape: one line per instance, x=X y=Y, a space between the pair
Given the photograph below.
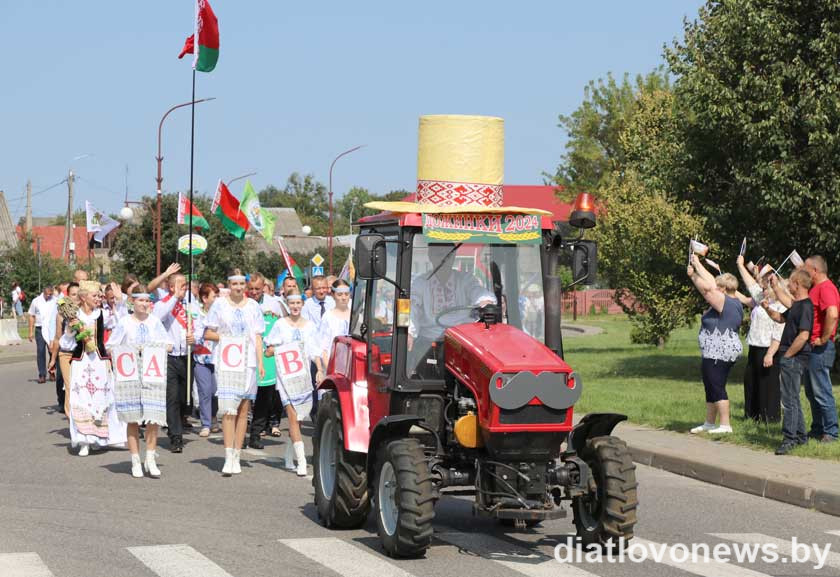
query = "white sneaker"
x=704 y=428
x=721 y=430
x=84 y=450
x=236 y=468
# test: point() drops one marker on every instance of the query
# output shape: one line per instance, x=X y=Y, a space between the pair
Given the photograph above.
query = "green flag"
x=261 y=220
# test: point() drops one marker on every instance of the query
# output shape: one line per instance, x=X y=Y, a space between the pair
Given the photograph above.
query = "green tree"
x=79 y=218
x=21 y=264
x=756 y=88
x=594 y=149
x=306 y=195
x=134 y=247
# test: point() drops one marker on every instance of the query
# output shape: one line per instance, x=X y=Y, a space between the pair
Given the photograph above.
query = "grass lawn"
x=663 y=389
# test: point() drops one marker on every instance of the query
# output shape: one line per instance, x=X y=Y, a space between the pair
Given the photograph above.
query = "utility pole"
x=28 y=206
x=68 y=227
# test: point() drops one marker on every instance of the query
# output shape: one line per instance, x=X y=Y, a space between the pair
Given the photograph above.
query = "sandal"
x=275 y=431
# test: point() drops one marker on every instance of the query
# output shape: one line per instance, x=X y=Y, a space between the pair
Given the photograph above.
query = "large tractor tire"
x=608 y=511
x=339 y=476
x=405 y=498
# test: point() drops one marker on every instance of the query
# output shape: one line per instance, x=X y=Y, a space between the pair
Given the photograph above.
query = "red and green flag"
x=226 y=207
x=291 y=265
x=206 y=51
x=185 y=208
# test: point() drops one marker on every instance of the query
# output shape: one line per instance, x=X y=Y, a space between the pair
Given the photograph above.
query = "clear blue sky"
x=296 y=84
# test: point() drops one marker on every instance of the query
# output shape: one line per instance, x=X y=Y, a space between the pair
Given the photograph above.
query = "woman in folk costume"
x=93 y=420
x=335 y=322
x=296 y=394
x=235 y=315
x=138 y=404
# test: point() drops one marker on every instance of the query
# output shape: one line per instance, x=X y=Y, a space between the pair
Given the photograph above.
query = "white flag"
x=713 y=264
x=765 y=269
x=796 y=259
x=699 y=248
x=98 y=223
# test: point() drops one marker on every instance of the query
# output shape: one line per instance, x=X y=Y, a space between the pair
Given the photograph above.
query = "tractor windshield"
x=450 y=280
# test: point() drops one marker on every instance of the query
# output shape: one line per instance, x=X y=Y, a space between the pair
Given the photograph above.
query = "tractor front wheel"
x=405 y=499
x=339 y=476
x=608 y=511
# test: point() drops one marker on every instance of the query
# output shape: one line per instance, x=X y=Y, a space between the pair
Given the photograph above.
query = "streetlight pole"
x=240 y=177
x=159 y=178
x=330 y=239
x=352 y=207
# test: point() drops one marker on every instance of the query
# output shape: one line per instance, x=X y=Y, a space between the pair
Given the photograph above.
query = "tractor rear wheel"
x=608 y=511
x=405 y=498
x=339 y=476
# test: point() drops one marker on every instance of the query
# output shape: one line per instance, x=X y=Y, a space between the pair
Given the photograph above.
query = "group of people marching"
x=793 y=324
x=128 y=355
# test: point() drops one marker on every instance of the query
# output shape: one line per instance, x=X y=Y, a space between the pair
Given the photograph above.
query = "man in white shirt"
x=42 y=313
x=289 y=284
x=172 y=311
x=320 y=303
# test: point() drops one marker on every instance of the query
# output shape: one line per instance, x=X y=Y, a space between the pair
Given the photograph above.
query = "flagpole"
x=190 y=232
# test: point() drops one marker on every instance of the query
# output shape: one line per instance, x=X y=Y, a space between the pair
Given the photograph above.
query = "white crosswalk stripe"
x=177 y=561
x=706 y=565
x=836 y=533
x=23 y=565
x=343 y=558
x=513 y=557
x=785 y=547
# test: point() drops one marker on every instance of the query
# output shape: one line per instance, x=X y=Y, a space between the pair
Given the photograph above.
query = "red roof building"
x=52 y=240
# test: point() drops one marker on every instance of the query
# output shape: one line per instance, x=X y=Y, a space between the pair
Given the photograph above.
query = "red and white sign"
x=153 y=365
x=290 y=362
x=232 y=354
x=125 y=364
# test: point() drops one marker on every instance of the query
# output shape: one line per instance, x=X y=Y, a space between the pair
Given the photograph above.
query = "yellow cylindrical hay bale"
x=460 y=148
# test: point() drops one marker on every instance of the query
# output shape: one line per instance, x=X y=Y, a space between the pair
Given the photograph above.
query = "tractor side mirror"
x=370 y=256
x=584 y=262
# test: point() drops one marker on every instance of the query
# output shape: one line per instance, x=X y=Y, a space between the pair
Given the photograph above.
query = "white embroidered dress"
x=298 y=394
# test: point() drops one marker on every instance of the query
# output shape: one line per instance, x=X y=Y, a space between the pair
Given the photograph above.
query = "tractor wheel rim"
x=326 y=460
x=388 y=511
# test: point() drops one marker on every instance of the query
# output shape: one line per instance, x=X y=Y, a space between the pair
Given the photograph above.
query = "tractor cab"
x=414 y=282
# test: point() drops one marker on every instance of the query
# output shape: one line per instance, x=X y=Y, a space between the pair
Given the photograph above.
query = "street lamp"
x=159 y=178
x=240 y=177
x=330 y=240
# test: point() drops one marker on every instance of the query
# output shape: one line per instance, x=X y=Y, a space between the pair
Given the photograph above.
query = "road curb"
x=791 y=492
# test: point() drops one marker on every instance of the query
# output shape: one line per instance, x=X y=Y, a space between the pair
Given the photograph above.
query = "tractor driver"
x=441 y=289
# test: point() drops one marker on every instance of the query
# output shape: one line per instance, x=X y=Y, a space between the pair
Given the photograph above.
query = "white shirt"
x=282 y=333
x=228 y=319
x=332 y=325
x=68 y=341
x=312 y=309
x=430 y=297
x=763 y=329
x=166 y=310
x=16 y=295
x=45 y=312
x=132 y=331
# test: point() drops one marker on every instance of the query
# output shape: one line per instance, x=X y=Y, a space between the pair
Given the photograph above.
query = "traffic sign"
x=318 y=260
x=318 y=270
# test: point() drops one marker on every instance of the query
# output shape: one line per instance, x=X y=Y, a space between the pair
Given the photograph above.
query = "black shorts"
x=715 y=374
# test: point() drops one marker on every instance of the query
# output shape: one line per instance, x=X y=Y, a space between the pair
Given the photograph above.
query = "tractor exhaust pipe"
x=553 y=294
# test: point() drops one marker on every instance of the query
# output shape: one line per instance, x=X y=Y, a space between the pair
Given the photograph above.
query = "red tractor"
x=453 y=376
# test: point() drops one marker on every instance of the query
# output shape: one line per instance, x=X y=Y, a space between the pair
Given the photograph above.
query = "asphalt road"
x=66 y=516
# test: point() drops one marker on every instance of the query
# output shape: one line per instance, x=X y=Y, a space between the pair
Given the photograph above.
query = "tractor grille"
x=531 y=414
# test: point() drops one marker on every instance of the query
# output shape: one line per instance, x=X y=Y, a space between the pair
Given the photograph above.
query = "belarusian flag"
x=206 y=54
x=291 y=265
x=185 y=207
x=226 y=207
